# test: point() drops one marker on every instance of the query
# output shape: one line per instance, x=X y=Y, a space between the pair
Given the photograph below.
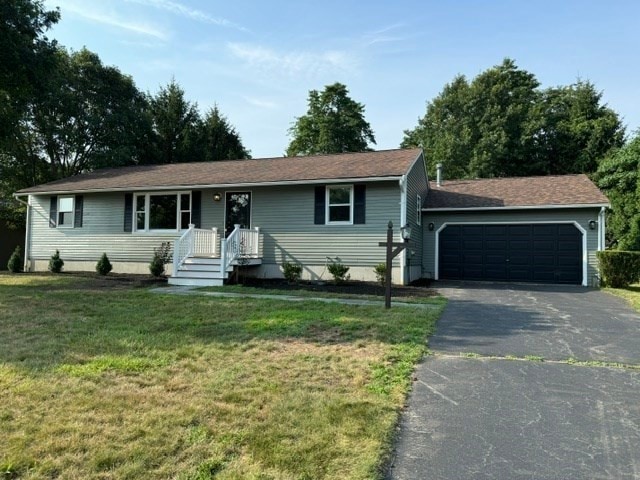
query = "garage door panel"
x=544 y=245
x=520 y=259
x=544 y=260
x=499 y=245
x=544 y=230
x=520 y=230
x=519 y=245
x=472 y=243
x=520 y=274
x=548 y=253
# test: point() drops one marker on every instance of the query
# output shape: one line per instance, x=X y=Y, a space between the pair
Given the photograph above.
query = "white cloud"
x=260 y=103
x=188 y=12
x=94 y=13
x=293 y=63
x=383 y=35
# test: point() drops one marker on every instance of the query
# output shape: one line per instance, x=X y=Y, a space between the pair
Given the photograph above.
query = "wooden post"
x=393 y=249
x=387 y=273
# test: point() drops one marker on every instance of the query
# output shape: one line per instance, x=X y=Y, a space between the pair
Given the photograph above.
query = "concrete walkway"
x=180 y=290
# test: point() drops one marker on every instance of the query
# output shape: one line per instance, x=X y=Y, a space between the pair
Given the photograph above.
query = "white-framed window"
x=339 y=204
x=419 y=209
x=162 y=211
x=65 y=211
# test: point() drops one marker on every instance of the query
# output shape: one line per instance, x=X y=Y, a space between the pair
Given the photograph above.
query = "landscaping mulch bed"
x=416 y=289
x=118 y=281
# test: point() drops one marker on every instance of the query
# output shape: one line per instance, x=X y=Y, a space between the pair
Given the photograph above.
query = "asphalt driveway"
x=477 y=417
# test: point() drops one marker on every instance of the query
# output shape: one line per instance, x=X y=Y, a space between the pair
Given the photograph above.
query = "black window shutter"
x=53 y=212
x=77 y=221
x=320 y=205
x=128 y=212
x=359 y=203
x=196 y=208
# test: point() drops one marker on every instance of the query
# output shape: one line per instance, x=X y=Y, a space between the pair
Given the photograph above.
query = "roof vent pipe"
x=439 y=175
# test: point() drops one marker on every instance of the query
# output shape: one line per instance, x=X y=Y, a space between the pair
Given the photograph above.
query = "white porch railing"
x=241 y=243
x=195 y=242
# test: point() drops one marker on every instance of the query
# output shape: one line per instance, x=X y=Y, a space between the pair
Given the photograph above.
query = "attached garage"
x=530 y=229
x=527 y=252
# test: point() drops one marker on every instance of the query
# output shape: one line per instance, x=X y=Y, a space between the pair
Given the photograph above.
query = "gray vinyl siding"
x=102 y=231
x=580 y=215
x=285 y=215
x=417 y=184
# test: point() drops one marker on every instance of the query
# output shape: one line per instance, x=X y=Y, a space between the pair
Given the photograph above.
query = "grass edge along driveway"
x=123 y=383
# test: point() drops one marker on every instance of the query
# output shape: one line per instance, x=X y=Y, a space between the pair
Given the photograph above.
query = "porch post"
x=214 y=241
x=191 y=239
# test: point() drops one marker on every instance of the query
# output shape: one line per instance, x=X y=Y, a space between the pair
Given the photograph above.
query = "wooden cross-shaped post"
x=393 y=249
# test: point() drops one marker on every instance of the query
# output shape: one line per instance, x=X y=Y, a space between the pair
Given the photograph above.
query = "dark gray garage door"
x=543 y=253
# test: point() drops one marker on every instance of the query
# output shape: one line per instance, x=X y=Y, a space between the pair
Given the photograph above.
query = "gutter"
x=27 y=232
x=602 y=229
x=517 y=207
x=403 y=221
x=143 y=188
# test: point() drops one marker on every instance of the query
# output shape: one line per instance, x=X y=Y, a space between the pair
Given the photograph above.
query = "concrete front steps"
x=205 y=271
x=200 y=272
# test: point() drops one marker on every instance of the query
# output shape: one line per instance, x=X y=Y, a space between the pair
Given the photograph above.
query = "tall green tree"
x=619 y=177
x=26 y=57
x=334 y=123
x=176 y=124
x=502 y=124
x=576 y=129
x=220 y=140
x=93 y=116
x=446 y=132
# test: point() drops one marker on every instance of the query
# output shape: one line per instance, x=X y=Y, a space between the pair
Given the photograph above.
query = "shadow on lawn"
x=44 y=328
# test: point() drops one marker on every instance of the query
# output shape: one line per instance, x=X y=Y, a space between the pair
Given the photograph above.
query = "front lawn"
x=99 y=382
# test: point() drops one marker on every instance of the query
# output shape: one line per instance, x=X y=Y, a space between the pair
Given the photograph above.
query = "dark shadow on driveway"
x=554 y=322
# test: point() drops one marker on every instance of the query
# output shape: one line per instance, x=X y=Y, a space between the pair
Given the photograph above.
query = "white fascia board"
x=521 y=207
x=216 y=185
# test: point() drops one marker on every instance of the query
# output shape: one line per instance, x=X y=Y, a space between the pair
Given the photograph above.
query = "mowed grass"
x=124 y=383
x=631 y=294
x=300 y=292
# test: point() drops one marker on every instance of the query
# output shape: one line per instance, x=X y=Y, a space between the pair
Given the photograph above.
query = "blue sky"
x=258 y=60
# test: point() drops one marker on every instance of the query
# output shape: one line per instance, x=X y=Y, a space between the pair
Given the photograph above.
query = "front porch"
x=203 y=257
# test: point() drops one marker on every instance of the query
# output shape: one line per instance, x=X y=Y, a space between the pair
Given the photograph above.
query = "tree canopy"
x=334 y=123
x=26 y=56
x=502 y=124
x=619 y=177
x=220 y=139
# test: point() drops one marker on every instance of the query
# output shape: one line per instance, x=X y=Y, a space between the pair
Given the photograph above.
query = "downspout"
x=602 y=228
x=27 y=231
x=403 y=222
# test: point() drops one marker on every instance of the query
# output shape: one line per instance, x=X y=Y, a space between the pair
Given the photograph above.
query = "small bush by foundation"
x=15 y=261
x=56 y=263
x=103 y=267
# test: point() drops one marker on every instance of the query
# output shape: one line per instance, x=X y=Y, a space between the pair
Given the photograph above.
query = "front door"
x=237 y=211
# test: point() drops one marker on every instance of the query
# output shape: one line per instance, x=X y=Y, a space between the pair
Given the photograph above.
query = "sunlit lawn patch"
x=129 y=384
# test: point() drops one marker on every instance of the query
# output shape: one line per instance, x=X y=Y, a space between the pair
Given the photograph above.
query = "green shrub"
x=381 y=273
x=56 y=263
x=618 y=268
x=15 y=261
x=292 y=271
x=103 y=267
x=161 y=256
x=338 y=270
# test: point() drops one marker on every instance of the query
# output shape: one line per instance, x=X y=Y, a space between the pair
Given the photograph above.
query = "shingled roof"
x=549 y=191
x=281 y=170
